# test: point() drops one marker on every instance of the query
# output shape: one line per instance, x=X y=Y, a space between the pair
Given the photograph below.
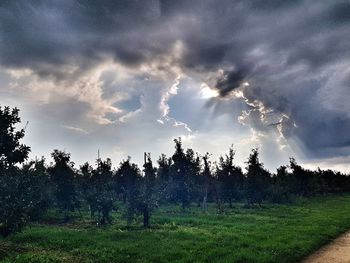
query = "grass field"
x=274 y=233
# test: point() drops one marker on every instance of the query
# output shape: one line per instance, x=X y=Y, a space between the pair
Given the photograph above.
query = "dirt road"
x=336 y=252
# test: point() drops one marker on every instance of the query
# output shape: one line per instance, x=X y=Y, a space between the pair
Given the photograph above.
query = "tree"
x=130 y=178
x=11 y=150
x=98 y=188
x=257 y=181
x=86 y=193
x=230 y=178
x=164 y=182
x=103 y=184
x=333 y=182
x=36 y=188
x=281 y=186
x=63 y=175
x=206 y=178
x=306 y=182
x=181 y=191
x=192 y=170
x=13 y=204
x=148 y=198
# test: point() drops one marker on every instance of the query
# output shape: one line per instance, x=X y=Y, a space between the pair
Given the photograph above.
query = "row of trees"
x=28 y=190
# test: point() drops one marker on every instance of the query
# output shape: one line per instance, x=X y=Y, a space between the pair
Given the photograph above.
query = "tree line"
x=28 y=189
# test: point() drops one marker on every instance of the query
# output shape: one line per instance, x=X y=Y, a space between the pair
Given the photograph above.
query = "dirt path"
x=336 y=252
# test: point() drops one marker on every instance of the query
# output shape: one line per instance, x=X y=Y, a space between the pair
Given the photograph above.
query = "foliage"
x=99 y=190
x=14 y=201
x=257 y=181
x=36 y=186
x=148 y=200
x=11 y=150
x=181 y=175
x=130 y=177
x=63 y=175
x=230 y=178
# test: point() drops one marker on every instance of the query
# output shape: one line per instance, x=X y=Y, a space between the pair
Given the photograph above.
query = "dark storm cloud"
x=230 y=81
x=287 y=50
x=48 y=36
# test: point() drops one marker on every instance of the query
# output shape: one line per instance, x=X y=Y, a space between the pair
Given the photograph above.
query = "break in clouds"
x=109 y=69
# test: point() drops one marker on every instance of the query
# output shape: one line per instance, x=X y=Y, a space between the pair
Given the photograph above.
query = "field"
x=273 y=233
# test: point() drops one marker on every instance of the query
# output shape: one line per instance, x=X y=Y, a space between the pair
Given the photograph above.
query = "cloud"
x=75 y=129
x=230 y=81
x=120 y=60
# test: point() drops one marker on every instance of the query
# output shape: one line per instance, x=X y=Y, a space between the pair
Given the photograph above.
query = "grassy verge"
x=275 y=233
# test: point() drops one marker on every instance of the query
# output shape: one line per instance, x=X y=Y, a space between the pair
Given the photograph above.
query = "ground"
x=338 y=251
x=274 y=233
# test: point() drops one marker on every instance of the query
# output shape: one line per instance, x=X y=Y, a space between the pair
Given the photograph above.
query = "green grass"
x=275 y=233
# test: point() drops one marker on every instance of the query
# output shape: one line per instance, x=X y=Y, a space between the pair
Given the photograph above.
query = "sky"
x=129 y=76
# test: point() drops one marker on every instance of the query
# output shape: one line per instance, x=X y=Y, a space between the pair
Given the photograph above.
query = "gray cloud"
x=294 y=54
x=230 y=81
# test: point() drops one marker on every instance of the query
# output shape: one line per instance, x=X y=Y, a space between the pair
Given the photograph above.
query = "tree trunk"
x=92 y=212
x=129 y=216
x=146 y=216
x=219 y=205
x=183 y=205
x=205 y=200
